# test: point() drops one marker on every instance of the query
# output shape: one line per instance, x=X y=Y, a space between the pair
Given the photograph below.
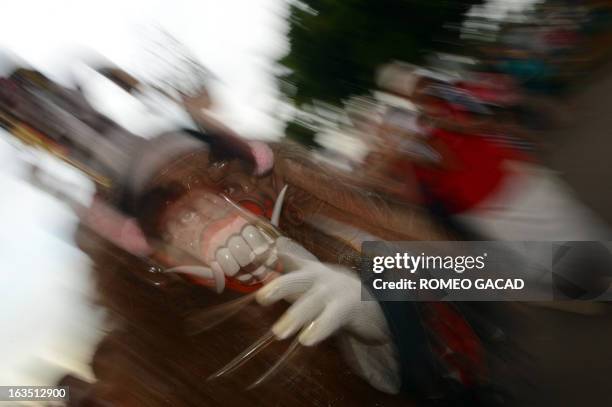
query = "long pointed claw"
x=245 y=355
x=213 y=316
x=276 y=367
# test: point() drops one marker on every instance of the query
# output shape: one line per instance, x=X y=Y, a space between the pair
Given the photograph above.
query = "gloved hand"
x=328 y=299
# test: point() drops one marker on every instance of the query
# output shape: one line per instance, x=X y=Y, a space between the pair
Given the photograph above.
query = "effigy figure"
x=190 y=202
x=198 y=235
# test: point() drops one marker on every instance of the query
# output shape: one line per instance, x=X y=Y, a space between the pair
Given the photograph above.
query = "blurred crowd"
x=467 y=135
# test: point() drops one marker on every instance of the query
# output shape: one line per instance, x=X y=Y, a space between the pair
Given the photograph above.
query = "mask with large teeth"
x=211 y=225
x=210 y=229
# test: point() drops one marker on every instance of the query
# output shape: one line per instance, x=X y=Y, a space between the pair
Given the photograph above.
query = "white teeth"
x=227 y=262
x=255 y=240
x=241 y=250
x=272 y=259
x=261 y=272
x=268 y=238
x=218 y=276
x=244 y=277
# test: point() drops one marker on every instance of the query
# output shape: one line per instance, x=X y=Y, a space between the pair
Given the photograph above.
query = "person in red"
x=446 y=158
x=470 y=167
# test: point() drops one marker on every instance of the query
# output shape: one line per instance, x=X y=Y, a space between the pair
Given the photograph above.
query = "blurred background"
x=365 y=86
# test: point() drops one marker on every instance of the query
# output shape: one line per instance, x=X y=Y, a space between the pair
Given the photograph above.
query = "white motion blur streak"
x=48 y=323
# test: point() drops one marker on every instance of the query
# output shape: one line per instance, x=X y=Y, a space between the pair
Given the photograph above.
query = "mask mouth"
x=224 y=244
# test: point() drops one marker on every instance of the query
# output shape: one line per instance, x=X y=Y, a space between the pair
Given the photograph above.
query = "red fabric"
x=492 y=88
x=448 y=111
x=455 y=343
x=475 y=170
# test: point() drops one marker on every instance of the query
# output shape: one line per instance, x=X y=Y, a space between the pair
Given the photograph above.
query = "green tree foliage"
x=337 y=45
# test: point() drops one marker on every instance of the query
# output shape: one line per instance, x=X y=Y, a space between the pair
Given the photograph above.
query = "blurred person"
x=496 y=191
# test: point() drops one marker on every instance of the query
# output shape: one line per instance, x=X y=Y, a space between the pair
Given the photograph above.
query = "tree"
x=337 y=45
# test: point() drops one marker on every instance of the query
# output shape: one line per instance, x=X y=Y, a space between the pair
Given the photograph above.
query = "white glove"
x=328 y=299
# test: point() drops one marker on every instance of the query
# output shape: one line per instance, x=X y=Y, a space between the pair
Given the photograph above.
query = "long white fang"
x=278 y=206
x=219 y=276
x=199 y=271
